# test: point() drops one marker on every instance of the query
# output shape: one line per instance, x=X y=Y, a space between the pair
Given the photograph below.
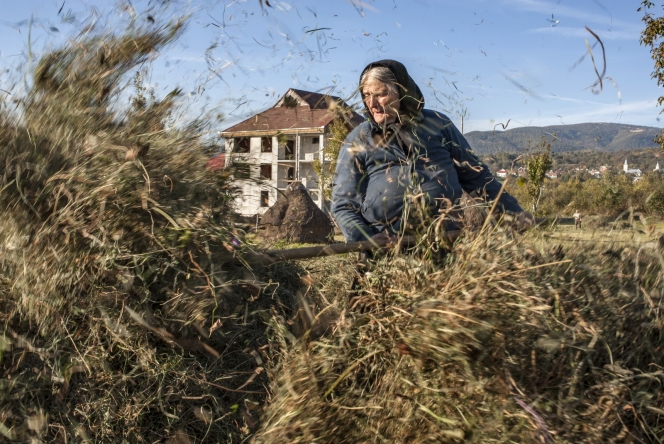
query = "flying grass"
x=124 y=314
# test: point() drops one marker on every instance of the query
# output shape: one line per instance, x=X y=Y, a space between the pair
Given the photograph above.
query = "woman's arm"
x=473 y=174
x=349 y=188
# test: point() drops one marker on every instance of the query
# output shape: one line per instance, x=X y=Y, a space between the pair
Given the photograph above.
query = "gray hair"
x=383 y=75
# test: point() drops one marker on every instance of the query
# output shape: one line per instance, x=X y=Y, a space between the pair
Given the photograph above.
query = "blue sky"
x=494 y=60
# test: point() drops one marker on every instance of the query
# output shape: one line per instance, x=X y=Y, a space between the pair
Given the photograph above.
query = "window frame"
x=266 y=144
x=265 y=167
x=241 y=170
x=289 y=146
x=237 y=145
x=265 y=199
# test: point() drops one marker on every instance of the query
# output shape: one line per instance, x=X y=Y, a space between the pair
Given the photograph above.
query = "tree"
x=537 y=165
x=652 y=37
x=333 y=142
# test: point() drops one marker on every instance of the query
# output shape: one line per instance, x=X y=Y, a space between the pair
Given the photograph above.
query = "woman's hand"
x=386 y=238
x=524 y=221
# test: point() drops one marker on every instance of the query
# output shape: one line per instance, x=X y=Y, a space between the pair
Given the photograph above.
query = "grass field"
x=598 y=238
x=546 y=237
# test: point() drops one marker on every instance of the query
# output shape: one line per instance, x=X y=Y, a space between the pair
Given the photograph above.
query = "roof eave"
x=317 y=129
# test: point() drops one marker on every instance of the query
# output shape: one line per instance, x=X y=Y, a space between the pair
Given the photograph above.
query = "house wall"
x=308 y=176
x=310 y=147
x=305 y=151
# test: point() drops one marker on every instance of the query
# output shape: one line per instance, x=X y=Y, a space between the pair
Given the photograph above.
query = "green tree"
x=333 y=142
x=652 y=37
x=537 y=164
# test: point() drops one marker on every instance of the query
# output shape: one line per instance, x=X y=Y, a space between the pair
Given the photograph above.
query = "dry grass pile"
x=294 y=217
x=122 y=316
x=500 y=344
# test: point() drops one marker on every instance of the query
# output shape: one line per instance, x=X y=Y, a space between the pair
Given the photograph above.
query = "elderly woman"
x=403 y=150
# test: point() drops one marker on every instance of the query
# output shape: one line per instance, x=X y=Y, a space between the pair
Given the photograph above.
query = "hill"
x=582 y=136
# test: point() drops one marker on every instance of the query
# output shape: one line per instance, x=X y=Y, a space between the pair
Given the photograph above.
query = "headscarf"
x=410 y=96
x=411 y=105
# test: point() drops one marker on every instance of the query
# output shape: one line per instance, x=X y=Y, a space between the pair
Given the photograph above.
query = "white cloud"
x=571 y=99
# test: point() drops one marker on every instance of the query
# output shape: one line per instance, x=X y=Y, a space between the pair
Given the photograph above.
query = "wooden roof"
x=309 y=99
x=296 y=110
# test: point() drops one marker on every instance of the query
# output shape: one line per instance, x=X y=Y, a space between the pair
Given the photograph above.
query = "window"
x=290 y=175
x=290 y=102
x=242 y=145
x=266 y=144
x=315 y=140
x=290 y=150
x=266 y=171
x=265 y=198
x=241 y=170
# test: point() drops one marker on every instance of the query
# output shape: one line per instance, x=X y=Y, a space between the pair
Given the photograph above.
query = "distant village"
x=596 y=172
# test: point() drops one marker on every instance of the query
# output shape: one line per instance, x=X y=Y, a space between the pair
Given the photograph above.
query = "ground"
x=547 y=237
x=600 y=238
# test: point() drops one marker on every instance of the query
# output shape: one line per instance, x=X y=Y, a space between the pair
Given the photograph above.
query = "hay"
x=294 y=217
x=127 y=318
x=500 y=344
x=123 y=315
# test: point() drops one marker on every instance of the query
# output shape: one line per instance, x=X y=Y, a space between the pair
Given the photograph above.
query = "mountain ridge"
x=597 y=136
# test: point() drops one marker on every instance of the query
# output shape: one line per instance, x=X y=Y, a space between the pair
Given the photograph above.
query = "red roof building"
x=218 y=162
x=296 y=111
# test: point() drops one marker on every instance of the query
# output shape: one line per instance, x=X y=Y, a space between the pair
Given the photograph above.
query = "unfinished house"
x=280 y=145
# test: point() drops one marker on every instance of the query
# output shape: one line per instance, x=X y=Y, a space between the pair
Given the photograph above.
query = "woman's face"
x=381 y=102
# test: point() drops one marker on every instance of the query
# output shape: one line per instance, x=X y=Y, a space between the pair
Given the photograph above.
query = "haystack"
x=503 y=343
x=474 y=212
x=123 y=317
x=294 y=217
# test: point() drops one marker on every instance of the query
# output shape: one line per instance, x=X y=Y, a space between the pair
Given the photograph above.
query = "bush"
x=609 y=196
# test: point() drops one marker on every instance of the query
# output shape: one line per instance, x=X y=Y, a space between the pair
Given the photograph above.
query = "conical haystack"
x=295 y=218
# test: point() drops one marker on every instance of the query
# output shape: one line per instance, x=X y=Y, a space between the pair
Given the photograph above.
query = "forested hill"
x=582 y=136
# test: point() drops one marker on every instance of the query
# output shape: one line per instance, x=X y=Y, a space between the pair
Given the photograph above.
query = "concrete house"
x=280 y=146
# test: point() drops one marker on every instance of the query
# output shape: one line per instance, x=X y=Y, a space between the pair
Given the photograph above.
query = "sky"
x=498 y=63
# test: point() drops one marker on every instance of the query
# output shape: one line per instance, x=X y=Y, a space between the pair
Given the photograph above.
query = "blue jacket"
x=379 y=169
